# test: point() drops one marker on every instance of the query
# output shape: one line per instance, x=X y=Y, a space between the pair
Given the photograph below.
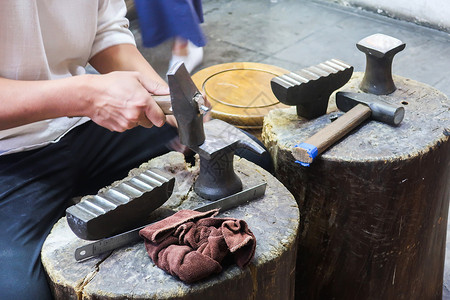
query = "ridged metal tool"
x=132 y=236
x=120 y=207
x=310 y=89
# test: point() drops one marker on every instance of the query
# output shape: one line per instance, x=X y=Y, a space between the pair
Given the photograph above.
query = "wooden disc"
x=240 y=92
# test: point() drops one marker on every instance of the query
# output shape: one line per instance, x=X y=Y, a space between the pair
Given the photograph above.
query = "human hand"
x=122 y=100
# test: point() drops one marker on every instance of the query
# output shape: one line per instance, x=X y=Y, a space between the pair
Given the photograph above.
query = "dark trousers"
x=36 y=187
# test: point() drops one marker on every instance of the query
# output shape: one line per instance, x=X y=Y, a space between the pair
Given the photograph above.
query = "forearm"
x=25 y=102
x=126 y=57
x=117 y=100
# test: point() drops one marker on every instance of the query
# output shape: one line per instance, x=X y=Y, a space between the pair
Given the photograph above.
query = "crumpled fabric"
x=192 y=245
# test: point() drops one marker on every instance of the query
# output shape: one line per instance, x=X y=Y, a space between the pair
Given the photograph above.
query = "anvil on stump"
x=373 y=206
x=128 y=272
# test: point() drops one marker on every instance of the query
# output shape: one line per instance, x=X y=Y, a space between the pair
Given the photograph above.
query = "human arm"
x=116 y=100
x=126 y=57
x=59 y=56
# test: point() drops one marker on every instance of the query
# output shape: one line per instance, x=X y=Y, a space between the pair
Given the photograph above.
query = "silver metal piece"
x=132 y=236
x=204 y=109
x=201 y=103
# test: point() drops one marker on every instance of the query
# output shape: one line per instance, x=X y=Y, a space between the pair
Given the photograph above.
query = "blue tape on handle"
x=310 y=149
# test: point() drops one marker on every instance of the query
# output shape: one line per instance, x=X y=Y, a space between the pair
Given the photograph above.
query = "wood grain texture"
x=128 y=273
x=333 y=132
x=373 y=206
x=164 y=103
x=239 y=92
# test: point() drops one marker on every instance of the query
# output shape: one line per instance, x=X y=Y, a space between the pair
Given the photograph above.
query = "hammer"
x=359 y=107
x=127 y=204
x=215 y=141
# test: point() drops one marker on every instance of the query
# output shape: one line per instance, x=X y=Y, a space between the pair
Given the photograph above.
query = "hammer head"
x=187 y=105
x=381 y=109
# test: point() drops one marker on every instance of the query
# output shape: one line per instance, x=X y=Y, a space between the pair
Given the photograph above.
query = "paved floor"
x=295 y=34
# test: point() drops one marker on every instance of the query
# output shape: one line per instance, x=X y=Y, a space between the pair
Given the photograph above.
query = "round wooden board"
x=240 y=92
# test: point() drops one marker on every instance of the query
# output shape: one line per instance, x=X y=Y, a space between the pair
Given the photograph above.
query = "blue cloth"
x=160 y=20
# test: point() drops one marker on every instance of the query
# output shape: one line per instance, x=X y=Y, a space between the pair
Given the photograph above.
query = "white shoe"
x=192 y=60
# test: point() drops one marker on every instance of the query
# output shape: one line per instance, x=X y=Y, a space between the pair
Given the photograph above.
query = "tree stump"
x=373 y=206
x=129 y=272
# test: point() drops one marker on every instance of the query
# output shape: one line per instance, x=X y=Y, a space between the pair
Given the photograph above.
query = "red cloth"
x=191 y=245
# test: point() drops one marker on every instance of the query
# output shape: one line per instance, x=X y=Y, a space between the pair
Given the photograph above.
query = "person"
x=65 y=133
x=160 y=20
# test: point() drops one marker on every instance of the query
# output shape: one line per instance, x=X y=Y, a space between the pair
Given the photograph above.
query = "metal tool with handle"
x=359 y=107
x=132 y=236
x=215 y=141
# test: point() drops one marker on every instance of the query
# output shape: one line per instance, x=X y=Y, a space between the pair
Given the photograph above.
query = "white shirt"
x=51 y=39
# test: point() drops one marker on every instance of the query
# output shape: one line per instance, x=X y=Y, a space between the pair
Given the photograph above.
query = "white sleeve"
x=112 y=26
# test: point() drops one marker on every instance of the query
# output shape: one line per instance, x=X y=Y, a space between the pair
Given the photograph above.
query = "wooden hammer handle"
x=319 y=142
x=164 y=102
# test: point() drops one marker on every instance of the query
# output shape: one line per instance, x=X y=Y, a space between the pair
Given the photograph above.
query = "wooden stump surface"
x=129 y=272
x=373 y=206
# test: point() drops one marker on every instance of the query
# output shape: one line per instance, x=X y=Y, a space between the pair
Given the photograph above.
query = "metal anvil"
x=217 y=178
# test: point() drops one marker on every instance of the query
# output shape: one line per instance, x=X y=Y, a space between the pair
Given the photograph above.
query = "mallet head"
x=187 y=105
x=381 y=109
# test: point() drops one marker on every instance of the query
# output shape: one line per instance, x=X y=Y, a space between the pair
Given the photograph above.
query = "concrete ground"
x=295 y=34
